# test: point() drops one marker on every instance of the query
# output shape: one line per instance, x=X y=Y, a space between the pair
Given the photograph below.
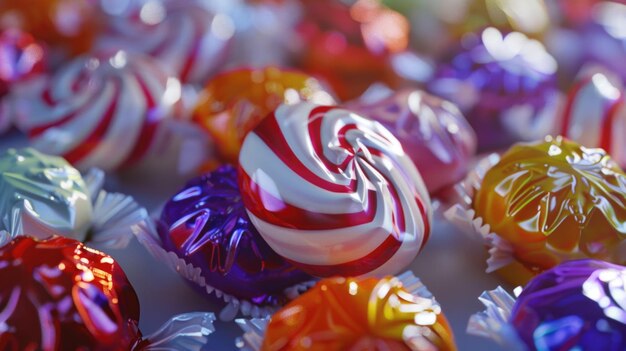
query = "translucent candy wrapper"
x=333 y=192
x=360 y=313
x=544 y=203
x=44 y=195
x=576 y=305
x=505 y=84
x=595 y=113
x=433 y=132
x=105 y=110
x=62 y=295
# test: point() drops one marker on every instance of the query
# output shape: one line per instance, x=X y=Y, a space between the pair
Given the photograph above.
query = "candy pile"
x=323 y=142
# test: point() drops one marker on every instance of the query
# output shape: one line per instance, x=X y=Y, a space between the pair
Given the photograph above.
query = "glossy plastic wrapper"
x=206 y=225
x=548 y=202
x=231 y=104
x=504 y=83
x=101 y=110
x=576 y=305
x=185 y=36
x=62 y=295
x=432 y=131
x=333 y=192
x=355 y=313
x=44 y=195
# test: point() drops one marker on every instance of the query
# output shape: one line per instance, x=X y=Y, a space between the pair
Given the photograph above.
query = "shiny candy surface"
x=433 y=132
x=350 y=45
x=578 y=305
x=184 y=35
x=71 y=24
x=60 y=295
x=555 y=201
x=208 y=227
x=101 y=111
x=43 y=195
x=233 y=103
x=595 y=113
x=358 y=314
x=21 y=56
x=505 y=85
x=333 y=192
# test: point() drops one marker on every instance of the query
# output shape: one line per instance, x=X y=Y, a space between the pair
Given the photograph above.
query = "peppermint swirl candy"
x=333 y=192
x=101 y=110
x=183 y=35
x=595 y=114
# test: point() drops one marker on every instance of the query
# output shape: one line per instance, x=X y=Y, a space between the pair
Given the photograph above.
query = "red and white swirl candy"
x=333 y=192
x=595 y=113
x=101 y=111
x=183 y=34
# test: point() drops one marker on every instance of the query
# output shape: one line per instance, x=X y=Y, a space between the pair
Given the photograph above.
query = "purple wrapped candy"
x=505 y=85
x=432 y=131
x=576 y=305
x=208 y=227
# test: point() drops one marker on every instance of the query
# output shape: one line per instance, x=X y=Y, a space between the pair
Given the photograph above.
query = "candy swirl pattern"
x=102 y=111
x=595 y=114
x=333 y=192
x=183 y=35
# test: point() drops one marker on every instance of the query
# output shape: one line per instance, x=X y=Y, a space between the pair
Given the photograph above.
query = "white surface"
x=451 y=266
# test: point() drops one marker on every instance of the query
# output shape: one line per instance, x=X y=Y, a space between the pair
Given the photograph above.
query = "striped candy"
x=333 y=192
x=183 y=35
x=595 y=114
x=101 y=111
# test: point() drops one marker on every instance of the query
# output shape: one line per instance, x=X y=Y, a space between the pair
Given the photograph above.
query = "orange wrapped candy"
x=359 y=314
x=234 y=102
x=554 y=201
x=71 y=24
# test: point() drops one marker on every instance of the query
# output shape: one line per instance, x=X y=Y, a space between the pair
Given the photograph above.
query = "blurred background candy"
x=595 y=113
x=432 y=131
x=505 y=83
x=333 y=192
x=206 y=225
x=21 y=58
x=187 y=37
x=231 y=104
x=67 y=26
x=101 y=110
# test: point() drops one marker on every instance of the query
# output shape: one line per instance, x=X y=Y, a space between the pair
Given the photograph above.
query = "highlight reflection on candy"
x=333 y=192
x=233 y=103
x=184 y=35
x=595 y=113
x=554 y=201
x=71 y=24
x=433 y=132
x=576 y=305
x=43 y=195
x=504 y=83
x=353 y=313
x=101 y=111
x=62 y=295
x=207 y=226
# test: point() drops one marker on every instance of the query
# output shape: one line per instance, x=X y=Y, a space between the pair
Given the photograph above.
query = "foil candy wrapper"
x=184 y=332
x=254 y=329
x=44 y=195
